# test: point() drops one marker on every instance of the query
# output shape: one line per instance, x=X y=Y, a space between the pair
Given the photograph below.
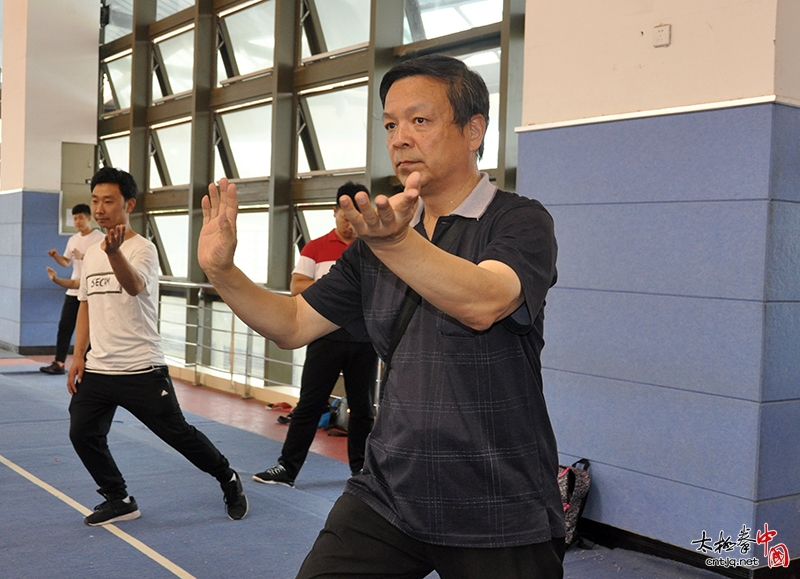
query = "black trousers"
x=66 y=327
x=150 y=397
x=357 y=542
x=325 y=360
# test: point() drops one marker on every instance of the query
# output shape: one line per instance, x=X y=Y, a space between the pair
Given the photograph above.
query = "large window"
x=173 y=65
x=333 y=26
x=339 y=121
x=427 y=19
x=173 y=232
x=245 y=136
x=120 y=19
x=253 y=248
x=115 y=152
x=166 y=8
x=246 y=40
x=487 y=64
x=116 y=73
x=171 y=150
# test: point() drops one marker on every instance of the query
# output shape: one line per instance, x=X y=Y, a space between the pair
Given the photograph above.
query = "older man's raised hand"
x=217 y=242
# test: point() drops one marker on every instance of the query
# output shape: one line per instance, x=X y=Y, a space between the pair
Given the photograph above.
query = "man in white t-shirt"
x=118 y=315
x=73 y=254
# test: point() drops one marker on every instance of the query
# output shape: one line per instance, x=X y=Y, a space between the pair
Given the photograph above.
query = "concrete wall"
x=587 y=59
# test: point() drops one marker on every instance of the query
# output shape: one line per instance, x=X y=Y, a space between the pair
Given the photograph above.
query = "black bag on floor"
x=574 y=481
x=340 y=414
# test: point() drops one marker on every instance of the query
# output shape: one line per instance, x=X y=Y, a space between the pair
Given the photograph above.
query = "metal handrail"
x=248 y=353
x=249 y=356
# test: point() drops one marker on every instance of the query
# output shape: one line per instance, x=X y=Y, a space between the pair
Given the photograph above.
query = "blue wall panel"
x=709 y=249
x=10 y=272
x=779 y=472
x=10 y=207
x=30 y=302
x=34 y=272
x=781 y=373
x=781 y=515
x=10 y=252
x=662 y=509
x=783 y=253
x=10 y=299
x=41 y=208
x=38 y=334
x=786 y=154
x=38 y=305
x=698 y=344
x=38 y=238
x=11 y=239
x=672 y=337
x=669 y=434
x=713 y=155
x=9 y=330
x=42 y=299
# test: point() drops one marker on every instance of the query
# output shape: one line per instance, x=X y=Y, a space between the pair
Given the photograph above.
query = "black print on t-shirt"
x=102 y=283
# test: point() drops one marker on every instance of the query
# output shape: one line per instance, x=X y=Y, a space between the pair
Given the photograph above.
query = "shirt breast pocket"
x=452 y=328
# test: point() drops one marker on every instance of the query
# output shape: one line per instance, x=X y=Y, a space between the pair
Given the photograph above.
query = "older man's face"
x=421 y=134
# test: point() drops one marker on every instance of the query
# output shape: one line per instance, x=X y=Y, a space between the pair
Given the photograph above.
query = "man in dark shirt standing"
x=326 y=358
x=460 y=473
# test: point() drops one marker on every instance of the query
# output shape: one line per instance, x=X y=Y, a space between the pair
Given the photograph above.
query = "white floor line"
x=133 y=542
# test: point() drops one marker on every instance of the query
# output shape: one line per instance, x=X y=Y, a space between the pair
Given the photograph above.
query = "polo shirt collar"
x=473 y=207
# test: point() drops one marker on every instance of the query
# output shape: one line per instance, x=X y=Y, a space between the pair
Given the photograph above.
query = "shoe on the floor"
x=235 y=501
x=274 y=475
x=54 y=368
x=113 y=512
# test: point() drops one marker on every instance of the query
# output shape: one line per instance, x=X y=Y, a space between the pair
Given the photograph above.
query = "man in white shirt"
x=73 y=254
x=125 y=366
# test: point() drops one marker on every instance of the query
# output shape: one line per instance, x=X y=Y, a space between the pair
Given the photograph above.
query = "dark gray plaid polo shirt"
x=462 y=452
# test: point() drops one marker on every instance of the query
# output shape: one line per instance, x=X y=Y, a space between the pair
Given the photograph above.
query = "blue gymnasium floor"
x=183 y=531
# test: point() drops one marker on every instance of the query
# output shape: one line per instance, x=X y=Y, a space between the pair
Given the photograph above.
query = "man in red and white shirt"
x=327 y=357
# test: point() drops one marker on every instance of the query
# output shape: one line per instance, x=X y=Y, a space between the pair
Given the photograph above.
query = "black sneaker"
x=113 y=512
x=235 y=501
x=274 y=475
x=53 y=368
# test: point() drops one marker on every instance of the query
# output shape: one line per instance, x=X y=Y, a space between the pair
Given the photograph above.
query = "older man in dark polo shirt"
x=460 y=468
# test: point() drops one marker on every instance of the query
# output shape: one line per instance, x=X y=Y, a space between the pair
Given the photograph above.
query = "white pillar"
x=50 y=88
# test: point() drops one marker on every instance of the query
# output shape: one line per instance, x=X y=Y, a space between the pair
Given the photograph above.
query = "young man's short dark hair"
x=466 y=90
x=82 y=208
x=350 y=189
x=124 y=180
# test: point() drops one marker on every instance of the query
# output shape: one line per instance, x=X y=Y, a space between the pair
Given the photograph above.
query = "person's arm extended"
x=299 y=282
x=59 y=259
x=131 y=280
x=75 y=374
x=63 y=282
x=288 y=321
x=477 y=295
